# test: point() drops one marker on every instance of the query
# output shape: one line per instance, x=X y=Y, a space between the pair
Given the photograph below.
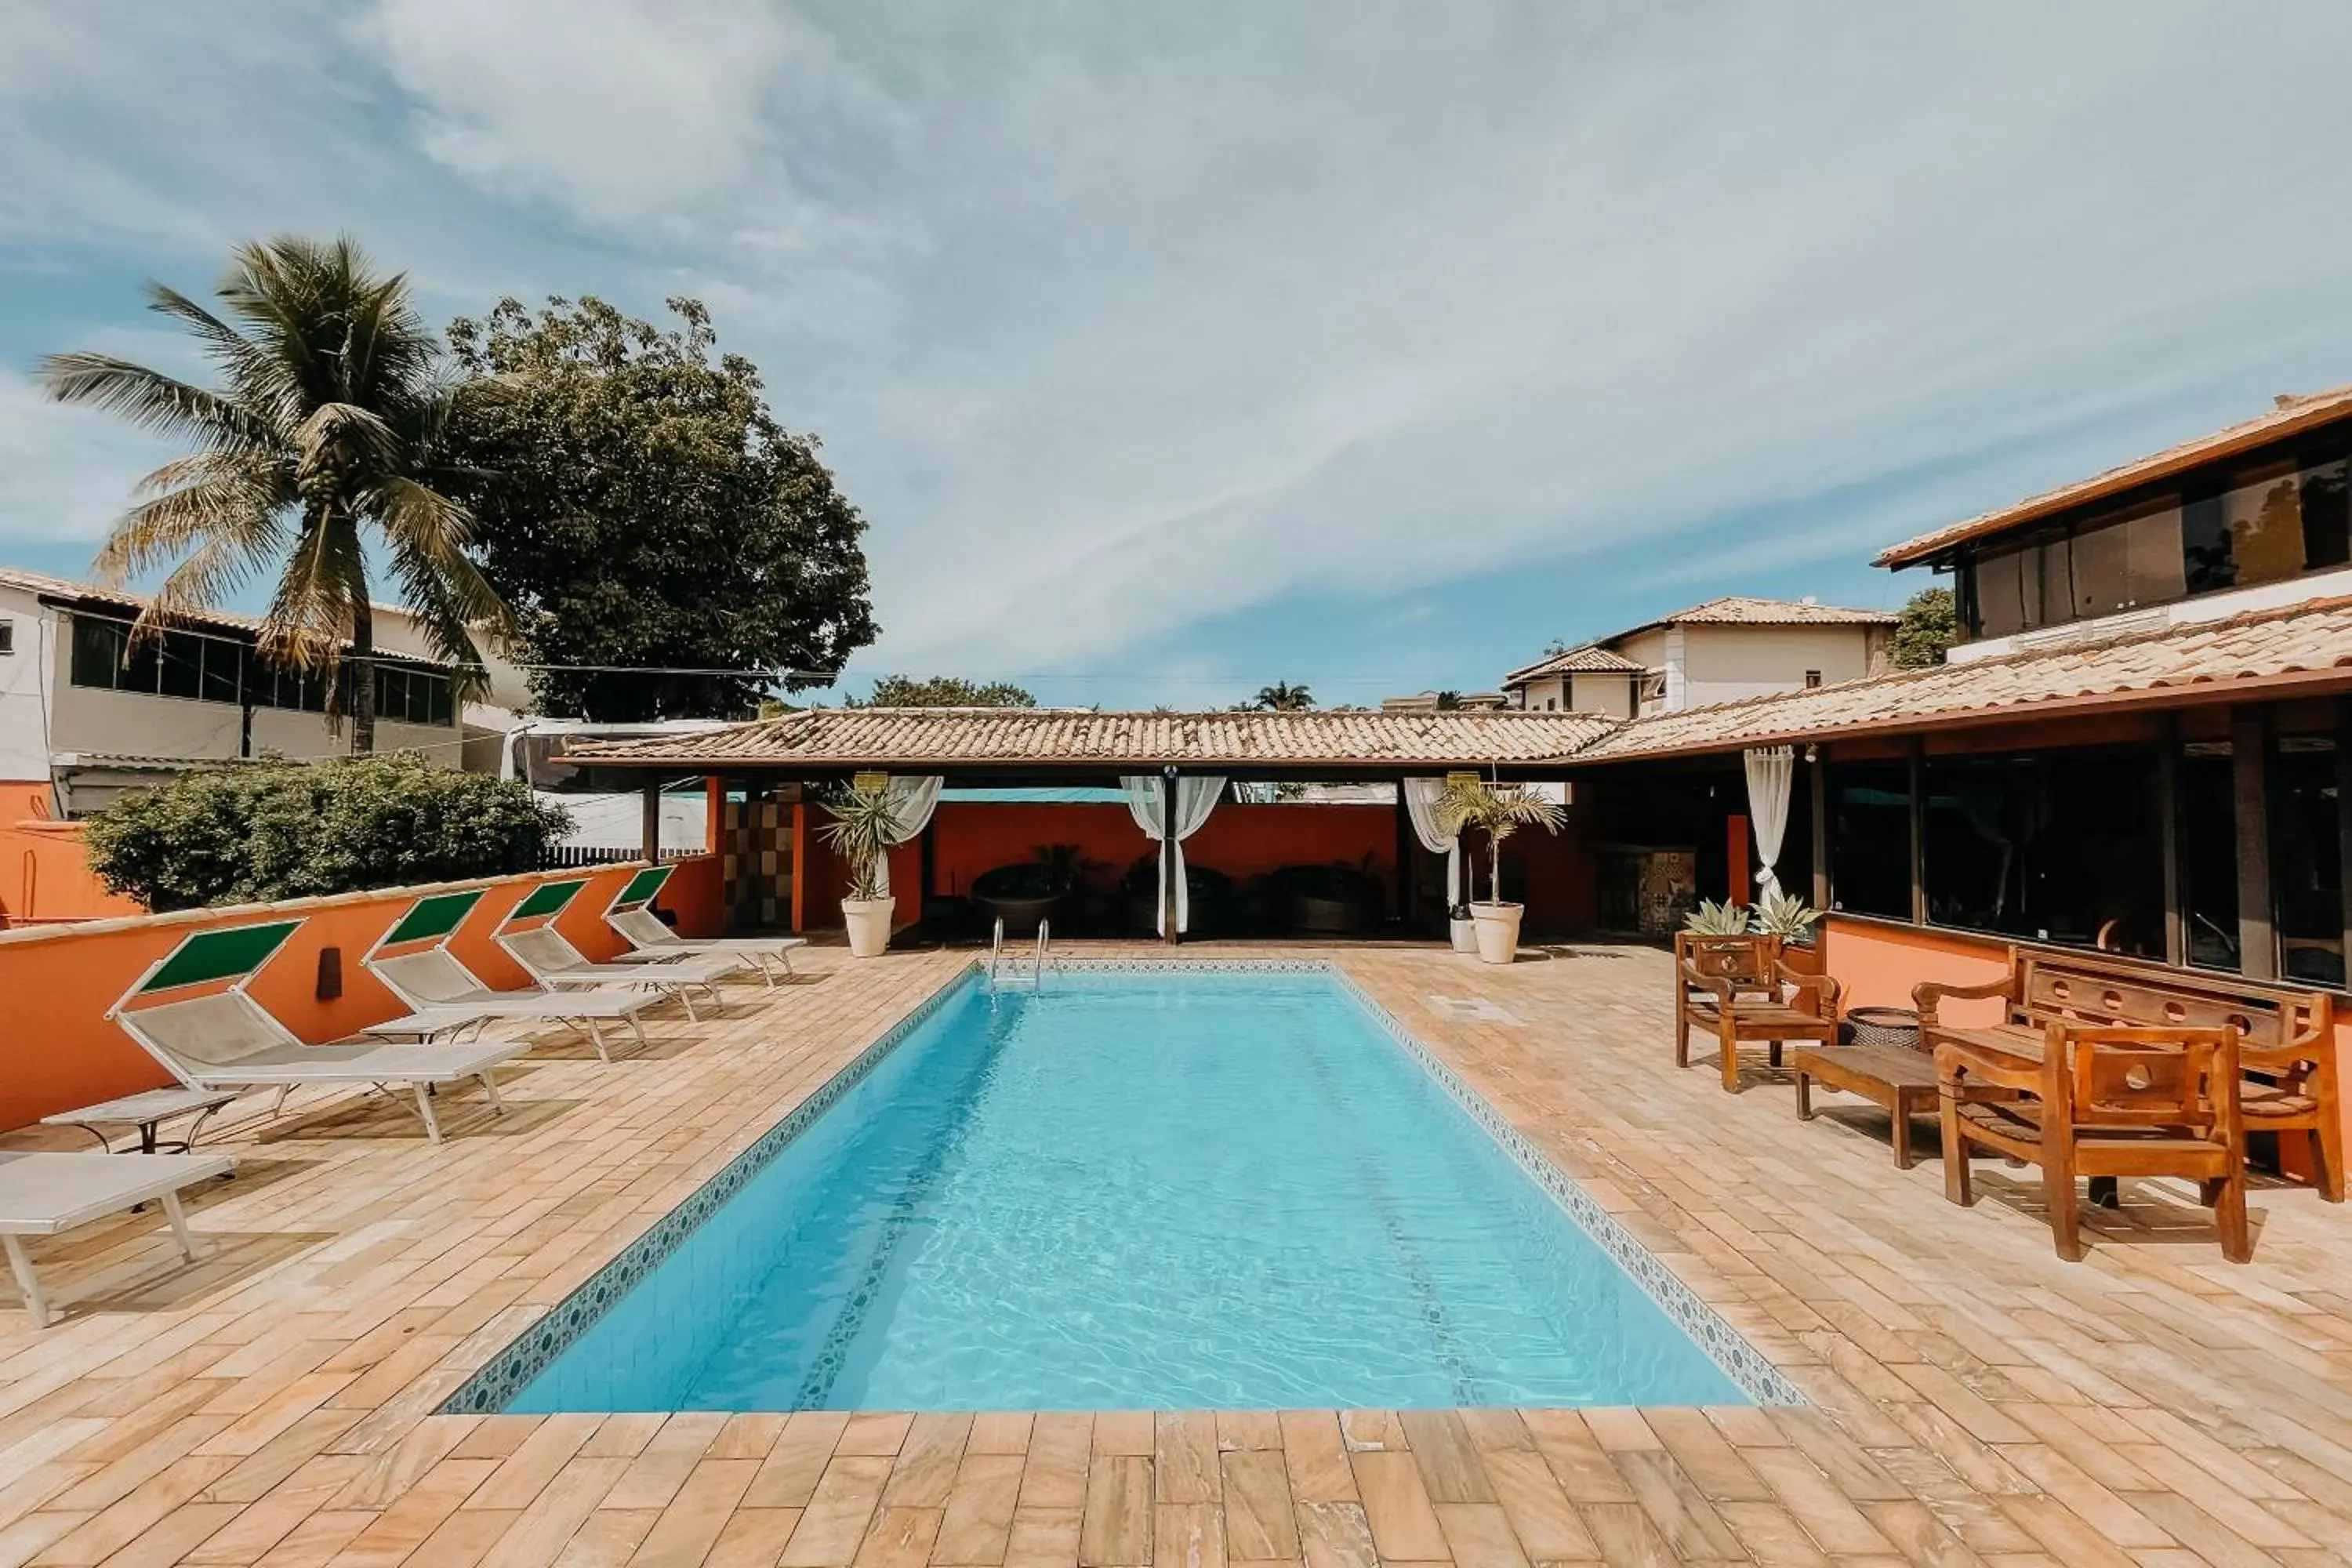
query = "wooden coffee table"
x=1900 y=1080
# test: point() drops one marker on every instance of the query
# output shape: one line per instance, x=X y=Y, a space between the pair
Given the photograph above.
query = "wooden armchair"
x=1738 y=988
x=2103 y=1102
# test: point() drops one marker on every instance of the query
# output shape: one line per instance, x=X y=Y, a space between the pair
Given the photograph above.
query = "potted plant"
x=1711 y=919
x=1788 y=917
x=1498 y=811
x=862 y=827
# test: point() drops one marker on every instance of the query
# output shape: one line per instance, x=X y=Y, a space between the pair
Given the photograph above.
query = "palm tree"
x=1283 y=697
x=319 y=442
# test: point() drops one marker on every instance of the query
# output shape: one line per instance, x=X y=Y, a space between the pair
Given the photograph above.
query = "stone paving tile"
x=1977 y=1401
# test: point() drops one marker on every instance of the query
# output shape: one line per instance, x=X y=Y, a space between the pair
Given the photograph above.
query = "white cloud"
x=64 y=473
x=619 y=110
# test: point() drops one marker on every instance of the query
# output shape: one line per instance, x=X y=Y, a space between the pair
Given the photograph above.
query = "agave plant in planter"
x=1498 y=811
x=1711 y=919
x=862 y=826
x=1788 y=917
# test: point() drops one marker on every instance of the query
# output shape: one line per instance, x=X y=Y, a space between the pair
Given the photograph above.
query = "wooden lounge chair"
x=631 y=916
x=43 y=1192
x=531 y=939
x=1738 y=988
x=191 y=1012
x=2103 y=1102
x=2287 y=1037
x=445 y=999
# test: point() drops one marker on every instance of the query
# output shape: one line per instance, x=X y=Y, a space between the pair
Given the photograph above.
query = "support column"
x=1168 y=872
x=1408 y=886
x=2249 y=748
x=649 y=822
x=1817 y=768
x=1917 y=765
x=800 y=865
x=2168 y=813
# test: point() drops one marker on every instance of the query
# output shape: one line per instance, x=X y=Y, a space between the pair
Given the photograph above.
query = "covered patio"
x=1253 y=804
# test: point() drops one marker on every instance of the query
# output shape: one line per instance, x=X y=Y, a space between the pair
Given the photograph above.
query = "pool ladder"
x=996 y=955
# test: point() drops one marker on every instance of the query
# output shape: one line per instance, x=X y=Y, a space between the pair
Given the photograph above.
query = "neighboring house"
x=1721 y=651
x=1433 y=703
x=2254 y=517
x=85 y=715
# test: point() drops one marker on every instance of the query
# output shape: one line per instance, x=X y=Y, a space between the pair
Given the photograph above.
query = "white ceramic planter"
x=1464 y=933
x=869 y=925
x=1498 y=930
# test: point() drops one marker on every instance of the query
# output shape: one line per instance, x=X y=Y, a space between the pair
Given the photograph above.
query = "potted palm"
x=862 y=828
x=1498 y=811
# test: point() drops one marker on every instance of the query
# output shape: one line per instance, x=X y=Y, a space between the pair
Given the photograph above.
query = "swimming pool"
x=1133 y=1189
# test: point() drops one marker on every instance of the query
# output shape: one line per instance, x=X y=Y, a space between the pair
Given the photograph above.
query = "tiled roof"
x=42 y=583
x=1735 y=611
x=1589 y=659
x=946 y=737
x=2293 y=415
x=2308 y=644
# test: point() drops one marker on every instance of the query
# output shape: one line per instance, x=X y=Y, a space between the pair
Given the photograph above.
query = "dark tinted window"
x=98 y=651
x=2058 y=847
x=1870 y=837
x=180 y=658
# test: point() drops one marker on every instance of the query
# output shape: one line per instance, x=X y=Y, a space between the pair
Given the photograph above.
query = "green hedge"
x=290 y=830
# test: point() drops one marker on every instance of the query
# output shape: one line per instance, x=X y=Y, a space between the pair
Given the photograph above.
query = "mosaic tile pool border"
x=506 y=1373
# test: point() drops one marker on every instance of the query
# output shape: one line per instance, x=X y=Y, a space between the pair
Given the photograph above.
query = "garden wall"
x=58 y=1051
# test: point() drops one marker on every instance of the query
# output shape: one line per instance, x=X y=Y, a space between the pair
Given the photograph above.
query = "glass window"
x=2262 y=514
x=1870 y=837
x=98 y=647
x=223 y=671
x=2327 y=517
x=391 y=693
x=2057 y=847
x=2306 y=869
x=443 y=708
x=2208 y=857
x=181 y=660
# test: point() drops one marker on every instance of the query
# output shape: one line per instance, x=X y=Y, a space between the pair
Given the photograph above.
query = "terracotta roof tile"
x=1737 y=611
x=1589 y=658
x=2291 y=416
x=944 y=737
x=2272 y=646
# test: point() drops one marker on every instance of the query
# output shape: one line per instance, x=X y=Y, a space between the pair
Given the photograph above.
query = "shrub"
x=293 y=830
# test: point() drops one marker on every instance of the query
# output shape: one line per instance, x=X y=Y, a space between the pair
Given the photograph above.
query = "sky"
x=1173 y=349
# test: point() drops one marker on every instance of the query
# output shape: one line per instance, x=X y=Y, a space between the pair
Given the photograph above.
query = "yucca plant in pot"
x=861 y=827
x=1498 y=811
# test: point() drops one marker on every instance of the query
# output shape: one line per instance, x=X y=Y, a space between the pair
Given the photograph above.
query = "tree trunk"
x=362 y=664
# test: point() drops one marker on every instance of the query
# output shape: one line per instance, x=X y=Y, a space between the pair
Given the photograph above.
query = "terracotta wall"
x=45 y=877
x=58 y=1051
x=1242 y=841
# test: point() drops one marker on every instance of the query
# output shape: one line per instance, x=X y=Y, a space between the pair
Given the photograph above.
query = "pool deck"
x=1976 y=1399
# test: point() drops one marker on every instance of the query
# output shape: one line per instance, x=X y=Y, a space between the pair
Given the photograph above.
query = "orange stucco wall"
x=58 y=1051
x=46 y=876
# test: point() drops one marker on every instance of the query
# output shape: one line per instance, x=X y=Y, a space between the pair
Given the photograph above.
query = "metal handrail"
x=1045 y=929
x=996 y=950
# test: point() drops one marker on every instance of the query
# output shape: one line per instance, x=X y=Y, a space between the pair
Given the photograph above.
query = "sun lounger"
x=631 y=914
x=446 y=998
x=529 y=937
x=43 y=1192
x=191 y=1012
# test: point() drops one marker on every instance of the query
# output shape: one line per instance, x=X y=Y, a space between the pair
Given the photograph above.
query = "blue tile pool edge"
x=488 y=1390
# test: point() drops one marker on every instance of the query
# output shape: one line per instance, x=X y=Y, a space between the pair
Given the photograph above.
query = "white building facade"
x=1721 y=651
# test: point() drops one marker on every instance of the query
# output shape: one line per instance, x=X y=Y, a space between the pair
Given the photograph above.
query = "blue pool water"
x=1132 y=1190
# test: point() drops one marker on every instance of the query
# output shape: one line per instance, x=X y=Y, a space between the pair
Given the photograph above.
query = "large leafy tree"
x=943 y=691
x=322 y=439
x=1930 y=626
x=643 y=511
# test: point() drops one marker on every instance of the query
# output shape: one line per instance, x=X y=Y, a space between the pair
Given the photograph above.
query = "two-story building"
x=1720 y=651
x=86 y=714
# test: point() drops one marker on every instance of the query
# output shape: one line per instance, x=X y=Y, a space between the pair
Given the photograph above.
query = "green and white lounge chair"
x=529 y=937
x=43 y=1192
x=191 y=1012
x=631 y=915
x=446 y=998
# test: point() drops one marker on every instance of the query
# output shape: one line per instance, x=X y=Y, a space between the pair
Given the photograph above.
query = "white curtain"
x=1421 y=802
x=1770 y=770
x=1195 y=798
x=912 y=801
